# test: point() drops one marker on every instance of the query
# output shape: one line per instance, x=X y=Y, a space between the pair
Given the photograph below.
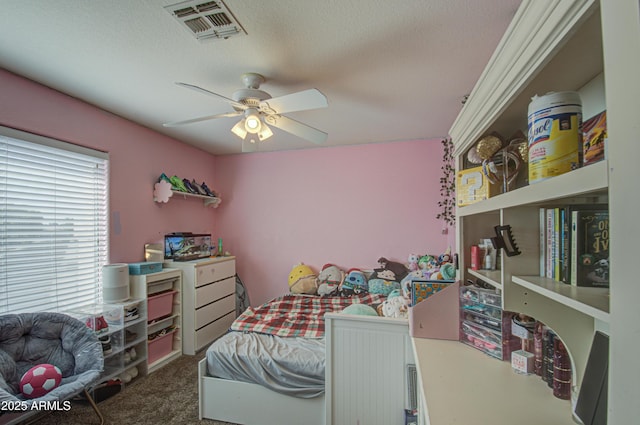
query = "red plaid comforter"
x=296 y=315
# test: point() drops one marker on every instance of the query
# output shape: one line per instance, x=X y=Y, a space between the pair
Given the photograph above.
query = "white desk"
x=461 y=385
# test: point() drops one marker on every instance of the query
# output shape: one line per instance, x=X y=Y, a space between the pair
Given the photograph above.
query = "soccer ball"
x=39 y=380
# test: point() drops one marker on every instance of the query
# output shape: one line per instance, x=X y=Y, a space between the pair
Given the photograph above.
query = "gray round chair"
x=29 y=339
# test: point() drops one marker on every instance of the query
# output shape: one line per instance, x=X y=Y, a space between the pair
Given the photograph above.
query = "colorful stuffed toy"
x=329 y=280
x=398 y=269
x=360 y=310
x=427 y=262
x=302 y=280
x=413 y=262
x=355 y=282
x=405 y=285
x=387 y=277
x=395 y=306
x=382 y=286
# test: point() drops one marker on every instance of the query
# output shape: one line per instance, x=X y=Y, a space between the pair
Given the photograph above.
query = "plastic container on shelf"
x=160 y=305
x=555 y=120
x=480 y=295
x=160 y=346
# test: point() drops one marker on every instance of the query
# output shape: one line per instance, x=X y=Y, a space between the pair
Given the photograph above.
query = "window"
x=53 y=223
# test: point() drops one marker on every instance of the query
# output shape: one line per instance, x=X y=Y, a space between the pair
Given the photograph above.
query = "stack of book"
x=574 y=244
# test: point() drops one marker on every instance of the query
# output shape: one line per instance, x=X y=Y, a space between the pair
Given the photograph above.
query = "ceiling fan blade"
x=235 y=104
x=299 y=101
x=297 y=128
x=208 y=117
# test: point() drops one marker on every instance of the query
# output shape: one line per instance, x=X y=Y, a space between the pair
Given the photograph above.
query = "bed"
x=272 y=361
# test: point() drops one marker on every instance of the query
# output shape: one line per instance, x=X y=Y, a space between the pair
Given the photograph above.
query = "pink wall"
x=347 y=206
x=137 y=157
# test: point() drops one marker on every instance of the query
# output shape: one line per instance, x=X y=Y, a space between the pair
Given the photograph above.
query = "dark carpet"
x=166 y=396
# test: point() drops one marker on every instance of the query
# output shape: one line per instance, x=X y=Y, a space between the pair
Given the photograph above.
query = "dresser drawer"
x=213 y=330
x=213 y=311
x=216 y=271
x=216 y=290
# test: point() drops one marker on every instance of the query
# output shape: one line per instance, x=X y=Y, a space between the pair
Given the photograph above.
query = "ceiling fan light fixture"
x=252 y=125
x=264 y=133
x=252 y=121
x=239 y=129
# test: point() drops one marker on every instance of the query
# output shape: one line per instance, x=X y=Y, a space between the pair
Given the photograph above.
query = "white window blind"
x=53 y=223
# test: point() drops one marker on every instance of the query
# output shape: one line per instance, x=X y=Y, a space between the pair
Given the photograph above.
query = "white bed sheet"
x=291 y=366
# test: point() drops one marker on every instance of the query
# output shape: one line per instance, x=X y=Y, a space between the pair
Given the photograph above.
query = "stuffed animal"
x=395 y=306
x=329 y=280
x=413 y=262
x=427 y=262
x=405 y=285
x=387 y=277
x=382 y=286
x=303 y=280
x=448 y=271
x=355 y=282
x=446 y=257
x=398 y=269
x=360 y=310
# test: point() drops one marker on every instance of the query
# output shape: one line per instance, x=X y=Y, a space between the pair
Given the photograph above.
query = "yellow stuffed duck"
x=303 y=280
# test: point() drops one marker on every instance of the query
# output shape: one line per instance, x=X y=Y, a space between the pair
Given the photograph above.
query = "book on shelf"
x=556 y=244
x=590 y=246
x=549 y=244
x=543 y=242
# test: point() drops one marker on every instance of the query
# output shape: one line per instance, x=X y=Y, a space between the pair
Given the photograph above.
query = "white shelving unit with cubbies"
x=161 y=293
x=124 y=357
x=564 y=45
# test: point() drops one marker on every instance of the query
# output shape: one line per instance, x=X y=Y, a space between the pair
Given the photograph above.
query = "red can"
x=475 y=257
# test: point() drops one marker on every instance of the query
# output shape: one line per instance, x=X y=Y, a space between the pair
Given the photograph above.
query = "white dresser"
x=208 y=300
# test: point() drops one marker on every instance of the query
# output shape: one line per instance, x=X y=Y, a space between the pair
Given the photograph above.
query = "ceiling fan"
x=259 y=110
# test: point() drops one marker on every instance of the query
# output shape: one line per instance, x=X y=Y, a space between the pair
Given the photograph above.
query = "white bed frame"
x=252 y=404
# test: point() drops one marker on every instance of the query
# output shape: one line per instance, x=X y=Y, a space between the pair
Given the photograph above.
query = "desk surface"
x=461 y=385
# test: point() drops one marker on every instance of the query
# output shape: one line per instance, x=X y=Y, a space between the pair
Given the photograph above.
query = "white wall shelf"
x=209 y=201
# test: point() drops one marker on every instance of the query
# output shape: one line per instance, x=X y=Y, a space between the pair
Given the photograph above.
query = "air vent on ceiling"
x=206 y=19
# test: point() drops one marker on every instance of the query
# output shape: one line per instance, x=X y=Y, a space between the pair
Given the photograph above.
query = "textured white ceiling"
x=391 y=70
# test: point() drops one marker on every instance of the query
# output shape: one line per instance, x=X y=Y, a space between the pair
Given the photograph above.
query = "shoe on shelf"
x=132 y=353
x=131 y=313
x=129 y=336
x=189 y=187
x=206 y=189
x=178 y=184
x=164 y=177
x=98 y=324
x=106 y=345
x=197 y=187
x=133 y=372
